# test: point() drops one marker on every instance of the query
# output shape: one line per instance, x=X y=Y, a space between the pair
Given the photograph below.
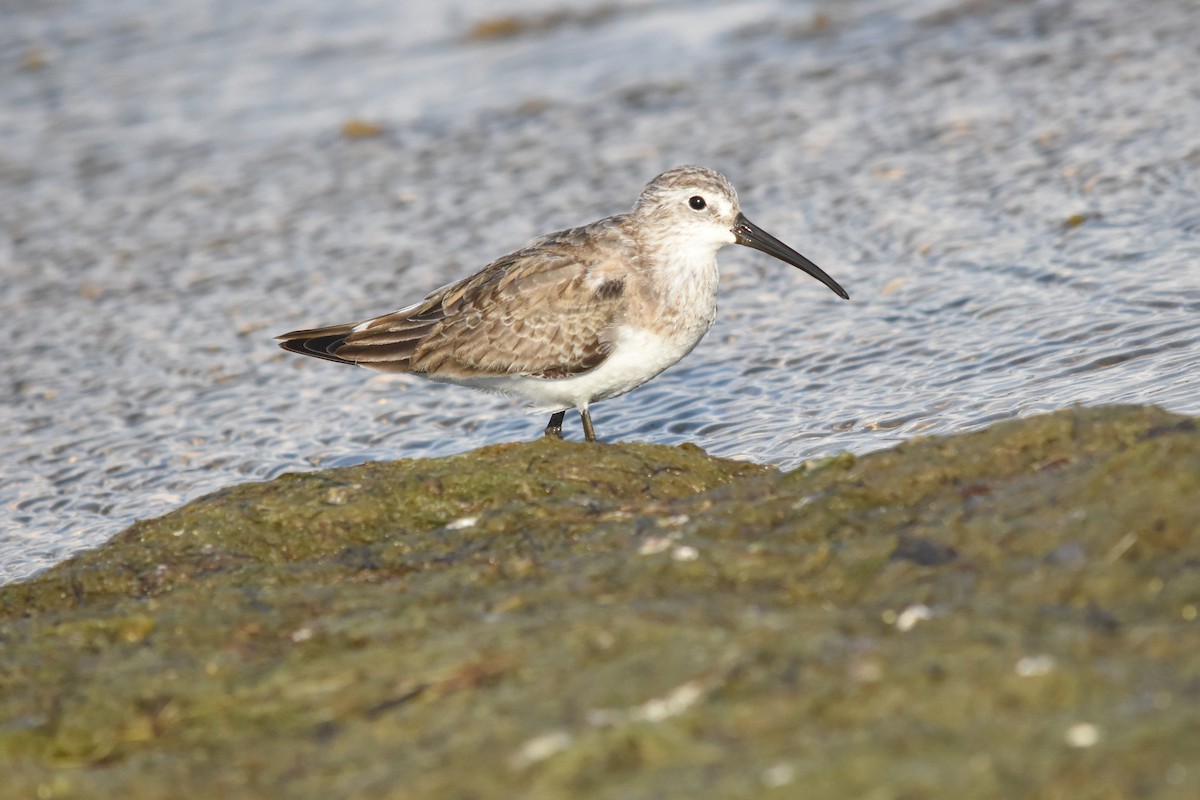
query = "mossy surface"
x=1009 y=613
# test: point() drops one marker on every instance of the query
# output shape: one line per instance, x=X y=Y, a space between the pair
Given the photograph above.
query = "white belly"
x=638 y=356
x=687 y=308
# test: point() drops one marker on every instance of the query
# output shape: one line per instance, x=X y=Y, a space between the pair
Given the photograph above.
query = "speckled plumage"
x=576 y=316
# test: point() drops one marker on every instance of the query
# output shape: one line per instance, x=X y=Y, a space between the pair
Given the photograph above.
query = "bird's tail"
x=388 y=343
x=318 y=342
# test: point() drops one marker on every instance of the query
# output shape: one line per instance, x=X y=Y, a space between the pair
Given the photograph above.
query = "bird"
x=574 y=317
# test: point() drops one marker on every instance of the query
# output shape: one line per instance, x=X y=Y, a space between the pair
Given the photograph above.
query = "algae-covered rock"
x=1009 y=613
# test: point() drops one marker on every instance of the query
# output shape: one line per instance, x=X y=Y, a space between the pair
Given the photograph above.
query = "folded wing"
x=541 y=311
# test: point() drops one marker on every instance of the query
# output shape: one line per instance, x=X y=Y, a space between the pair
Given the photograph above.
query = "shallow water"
x=1007 y=190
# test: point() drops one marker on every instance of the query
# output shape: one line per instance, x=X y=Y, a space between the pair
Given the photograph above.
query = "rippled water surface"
x=1008 y=190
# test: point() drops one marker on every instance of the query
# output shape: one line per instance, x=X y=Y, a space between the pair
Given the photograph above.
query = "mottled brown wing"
x=545 y=311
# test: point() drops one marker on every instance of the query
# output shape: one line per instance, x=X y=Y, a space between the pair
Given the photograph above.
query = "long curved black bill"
x=750 y=235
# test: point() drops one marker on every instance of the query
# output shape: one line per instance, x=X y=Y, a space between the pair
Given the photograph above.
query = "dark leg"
x=589 y=432
x=554 y=429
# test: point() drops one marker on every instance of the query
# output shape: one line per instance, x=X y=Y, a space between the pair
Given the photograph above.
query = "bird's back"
x=541 y=311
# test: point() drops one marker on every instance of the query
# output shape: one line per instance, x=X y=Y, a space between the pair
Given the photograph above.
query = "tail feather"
x=318 y=342
x=386 y=343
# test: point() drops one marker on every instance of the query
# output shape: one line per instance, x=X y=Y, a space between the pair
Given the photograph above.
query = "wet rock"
x=553 y=619
x=925 y=552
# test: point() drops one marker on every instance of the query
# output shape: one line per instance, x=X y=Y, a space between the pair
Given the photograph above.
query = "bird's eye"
x=697 y=203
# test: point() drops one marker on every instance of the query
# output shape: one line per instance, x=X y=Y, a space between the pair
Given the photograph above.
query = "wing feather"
x=547 y=310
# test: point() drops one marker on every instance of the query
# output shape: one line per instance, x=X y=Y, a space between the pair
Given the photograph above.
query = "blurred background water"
x=1007 y=189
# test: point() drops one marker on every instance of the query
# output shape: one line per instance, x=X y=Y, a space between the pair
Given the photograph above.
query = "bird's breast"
x=683 y=299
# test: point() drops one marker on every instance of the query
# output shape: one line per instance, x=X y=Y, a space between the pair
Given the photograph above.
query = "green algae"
x=1006 y=613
